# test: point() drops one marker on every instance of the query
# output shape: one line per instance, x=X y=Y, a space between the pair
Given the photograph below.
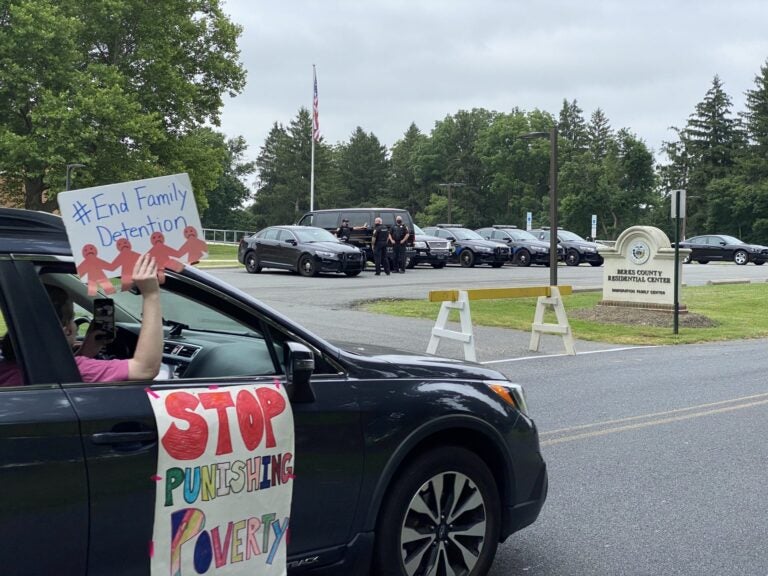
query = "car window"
x=10 y=370
x=419 y=231
x=466 y=234
x=283 y=235
x=270 y=234
x=729 y=240
x=358 y=218
x=315 y=235
x=326 y=220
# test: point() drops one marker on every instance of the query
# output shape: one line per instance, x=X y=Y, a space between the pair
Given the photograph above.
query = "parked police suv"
x=404 y=464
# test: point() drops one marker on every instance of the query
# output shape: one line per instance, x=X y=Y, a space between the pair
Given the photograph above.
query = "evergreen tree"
x=363 y=170
x=406 y=187
x=225 y=201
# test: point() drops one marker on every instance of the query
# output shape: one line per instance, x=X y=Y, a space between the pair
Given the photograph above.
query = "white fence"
x=224 y=236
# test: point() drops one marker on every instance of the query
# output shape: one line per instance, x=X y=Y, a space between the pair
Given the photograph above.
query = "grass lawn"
x=737 y=311
x=222 y=251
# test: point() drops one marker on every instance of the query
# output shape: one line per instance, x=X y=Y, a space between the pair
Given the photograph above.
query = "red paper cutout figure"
x=125 y=260
x=93 y=268
x=164 y=256
x=194 y=248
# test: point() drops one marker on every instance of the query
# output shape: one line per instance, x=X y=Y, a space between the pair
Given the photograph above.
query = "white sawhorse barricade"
x=548 y=296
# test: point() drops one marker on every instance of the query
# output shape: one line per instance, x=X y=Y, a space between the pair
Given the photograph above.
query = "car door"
x=120 y=434
x=286 y=249
x=267 y=249
x=44 y=502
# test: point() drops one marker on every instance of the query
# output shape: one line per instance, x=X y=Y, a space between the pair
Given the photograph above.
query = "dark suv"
x=401 y=461
x=361 y=221
x=429 y=249
x=577 y=249
x=526 y=248
x=469 y=248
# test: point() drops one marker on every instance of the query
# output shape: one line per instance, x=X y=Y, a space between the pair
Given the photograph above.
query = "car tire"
x=307 y=266
x=703 y=261
x=497 y=264
x=523 y=258
x=352 y=273
x=572 y=258
x=759 y=262
x=438 y=265
x=410 y=520
x=467 y=258
x=596 y=263
x=410 y=263
x=252 y=263
x=687 y=259
x=740 y=257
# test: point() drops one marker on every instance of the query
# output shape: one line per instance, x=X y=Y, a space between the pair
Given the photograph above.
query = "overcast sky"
x=382 y=64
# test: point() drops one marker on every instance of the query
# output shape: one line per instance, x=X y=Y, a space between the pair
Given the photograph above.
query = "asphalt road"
x=657 y=455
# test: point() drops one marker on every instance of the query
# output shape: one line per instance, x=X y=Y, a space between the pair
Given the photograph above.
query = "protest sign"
x=110 y=226
x=224 y=481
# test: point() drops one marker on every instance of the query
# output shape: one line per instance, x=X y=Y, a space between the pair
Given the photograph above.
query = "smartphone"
x=104 y=318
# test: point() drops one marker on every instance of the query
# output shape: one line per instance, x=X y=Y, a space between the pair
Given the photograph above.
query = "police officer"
x=344 y=231
x=400 y=235
x=379 y=241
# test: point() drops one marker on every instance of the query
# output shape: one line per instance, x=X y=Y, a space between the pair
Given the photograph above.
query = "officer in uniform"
x=379 y=241
x=344 y=231
x=400 y=235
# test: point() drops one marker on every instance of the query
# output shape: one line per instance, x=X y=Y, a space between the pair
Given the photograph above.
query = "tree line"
x=116 y=88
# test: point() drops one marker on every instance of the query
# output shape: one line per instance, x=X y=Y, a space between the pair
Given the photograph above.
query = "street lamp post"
x=553 y=224
x=450 y=186
x=69 y=169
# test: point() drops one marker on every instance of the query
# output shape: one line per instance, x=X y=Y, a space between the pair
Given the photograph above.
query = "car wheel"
x=307 y=266
x=438 y=265
x=467 y=258
x=523 y=258
x=740 y=257
x=759 y=262
x=252 y=263
x=352 y=273
x=410 y=263
x=687 y=259
x=572 y=258
x=703 y=261
x=442 y=516
x=497 y=264
x=596 y=263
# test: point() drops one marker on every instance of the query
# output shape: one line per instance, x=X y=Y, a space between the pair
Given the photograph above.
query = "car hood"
x=389 y=362
x=583 y=244
x=332 y=246
x=487 y=243
x=428 y=238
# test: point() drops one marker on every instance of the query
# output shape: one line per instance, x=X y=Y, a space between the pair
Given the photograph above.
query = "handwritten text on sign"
x=110 y=226
x=225 y=477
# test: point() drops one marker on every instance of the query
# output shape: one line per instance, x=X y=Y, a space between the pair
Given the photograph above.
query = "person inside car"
x=146 y=360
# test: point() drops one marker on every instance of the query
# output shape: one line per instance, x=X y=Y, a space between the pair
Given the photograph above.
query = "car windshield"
x=465 y=234
x=565 y=235
x=419 y=231
x=731 y=240
x=521 y=235
x=314 y=235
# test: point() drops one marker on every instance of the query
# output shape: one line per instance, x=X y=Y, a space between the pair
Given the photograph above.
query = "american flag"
x=315 y=111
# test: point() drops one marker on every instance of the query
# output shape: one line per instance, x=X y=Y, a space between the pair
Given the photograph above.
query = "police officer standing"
x=379 y=241
x=400 y=235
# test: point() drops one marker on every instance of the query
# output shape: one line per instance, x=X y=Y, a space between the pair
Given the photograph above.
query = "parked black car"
x=428 y=250
x=577 y=249
x=469 y=248
x=396 y=455
x=303 y=249
x=526 y=248
x=723 y=247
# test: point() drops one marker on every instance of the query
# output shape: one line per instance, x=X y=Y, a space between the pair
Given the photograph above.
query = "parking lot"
x=656 y=455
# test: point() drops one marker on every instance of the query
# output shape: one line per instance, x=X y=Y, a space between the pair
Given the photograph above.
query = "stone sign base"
x=656 y=306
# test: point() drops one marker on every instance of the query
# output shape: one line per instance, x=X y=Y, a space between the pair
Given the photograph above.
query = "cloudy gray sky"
x=382 y=64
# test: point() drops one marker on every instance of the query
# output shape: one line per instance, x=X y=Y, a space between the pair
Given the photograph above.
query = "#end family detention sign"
x=224 y=481
x=110 y=226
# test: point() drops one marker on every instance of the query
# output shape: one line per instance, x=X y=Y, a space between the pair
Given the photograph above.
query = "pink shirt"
x=91 y=370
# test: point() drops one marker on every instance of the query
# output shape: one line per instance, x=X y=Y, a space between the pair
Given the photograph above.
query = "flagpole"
x=315 y=136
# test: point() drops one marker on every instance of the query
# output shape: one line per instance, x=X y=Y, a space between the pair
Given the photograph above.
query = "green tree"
x=407 y=187
x=121 y=86
x=225 y=201
x=363 y=170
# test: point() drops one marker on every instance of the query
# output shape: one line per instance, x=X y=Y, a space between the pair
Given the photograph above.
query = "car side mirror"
x=299 y=366
x=290 y=241
x=722 y=243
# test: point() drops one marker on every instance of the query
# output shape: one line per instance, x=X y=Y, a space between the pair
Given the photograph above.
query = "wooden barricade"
x=548 y=296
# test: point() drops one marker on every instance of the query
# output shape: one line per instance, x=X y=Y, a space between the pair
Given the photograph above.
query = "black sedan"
x=304 y=249
x=526 y=248
x=469 y=248
x=723 y=247
x=577 y=249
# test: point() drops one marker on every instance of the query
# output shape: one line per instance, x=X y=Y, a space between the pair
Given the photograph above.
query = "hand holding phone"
x=104 y=319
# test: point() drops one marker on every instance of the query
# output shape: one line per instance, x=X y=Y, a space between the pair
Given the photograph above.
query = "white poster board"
x=224 y=481
x=110 y=226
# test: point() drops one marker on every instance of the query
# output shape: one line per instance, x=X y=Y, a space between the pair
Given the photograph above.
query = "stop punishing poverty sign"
x=110 y=226
x=224 y=480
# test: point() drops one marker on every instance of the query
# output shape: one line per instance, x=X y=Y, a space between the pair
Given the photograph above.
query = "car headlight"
x=512 y=394
x=419 y=244
x=324 y=254
x=539 y=249
x=484 y=249
x=591 y=250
